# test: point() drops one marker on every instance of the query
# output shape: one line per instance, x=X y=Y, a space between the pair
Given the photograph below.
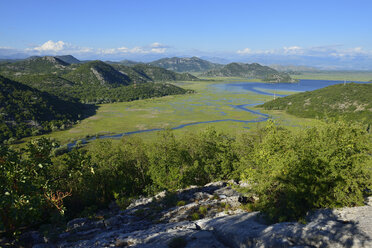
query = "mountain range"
x=193 y=64
x=253 y=71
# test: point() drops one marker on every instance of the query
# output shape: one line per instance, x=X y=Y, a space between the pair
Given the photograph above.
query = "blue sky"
x=278 y=31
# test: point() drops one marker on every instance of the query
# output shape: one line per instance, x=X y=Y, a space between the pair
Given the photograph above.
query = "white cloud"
x=60 y=47
x=157 y=47
x=293 y=50
x=51 y=46
x=319 y=51
x=244 y=51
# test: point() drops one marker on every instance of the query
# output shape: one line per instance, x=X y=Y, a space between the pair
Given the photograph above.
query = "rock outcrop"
x=211 y=216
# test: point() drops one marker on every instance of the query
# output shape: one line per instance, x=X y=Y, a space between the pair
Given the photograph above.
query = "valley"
x=185 y=124
x=215 y=103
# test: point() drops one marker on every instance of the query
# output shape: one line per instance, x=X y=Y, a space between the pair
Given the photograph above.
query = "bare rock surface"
x=211 y=216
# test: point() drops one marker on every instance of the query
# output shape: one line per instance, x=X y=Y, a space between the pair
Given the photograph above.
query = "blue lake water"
x=239 y=87
x=302 y=85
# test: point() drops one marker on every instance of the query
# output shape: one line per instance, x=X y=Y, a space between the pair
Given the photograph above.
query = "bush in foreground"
x=322 y=167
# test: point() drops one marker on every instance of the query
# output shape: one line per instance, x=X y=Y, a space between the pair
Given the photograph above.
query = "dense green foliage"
x=351 y=101
x=329 y=166
x=102 y=94
x=26 y=187
x=290 y=173
x=35 y=65
x=193 y=64
x=253 y=70
x=93 y=81
x=25 y=111
x=141 y=73
x=97 y=73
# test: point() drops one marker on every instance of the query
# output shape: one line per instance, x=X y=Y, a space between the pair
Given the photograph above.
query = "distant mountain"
x=35 y=64
x=97 y=72
x=141 y=73
x=253 y=70
x=128 y=62
x=69 y=59
x=25 y=111
x=193 y=64
x=293 y=68
x=352 y=101
x=161 y=74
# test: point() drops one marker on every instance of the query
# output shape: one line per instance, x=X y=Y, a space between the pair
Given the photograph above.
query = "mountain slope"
x=98 y=82
x=68 y=59
x=161 y=74
x=34 y=65
x=253 y=70
x=99 y=73
x=142 y=73
x=352 y=101
x=128 y=62
x=193 y=64
x=25 y=111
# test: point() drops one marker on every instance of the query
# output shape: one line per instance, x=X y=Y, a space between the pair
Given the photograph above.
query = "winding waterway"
x=259 y=88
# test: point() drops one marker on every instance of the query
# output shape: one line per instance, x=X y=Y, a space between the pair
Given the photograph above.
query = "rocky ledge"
x=209 y=216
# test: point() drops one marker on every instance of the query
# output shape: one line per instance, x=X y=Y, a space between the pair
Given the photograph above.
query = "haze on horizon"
x=325 y=34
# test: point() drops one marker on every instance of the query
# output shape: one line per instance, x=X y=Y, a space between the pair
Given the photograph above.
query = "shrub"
x=324 y=166
x=28 y=193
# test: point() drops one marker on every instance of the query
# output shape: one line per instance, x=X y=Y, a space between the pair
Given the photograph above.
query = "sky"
x=327 y=33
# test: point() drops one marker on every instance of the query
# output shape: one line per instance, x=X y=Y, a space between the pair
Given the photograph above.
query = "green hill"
x=157 y=74
x=25 y=111
x=132 y=92
x=141 y=73
x=96 y=81
x=98 y=73
x=35 y=65
x=253 y=70
x=193 y=64
x=128 y=62
x=352 y=101
x=53 y=84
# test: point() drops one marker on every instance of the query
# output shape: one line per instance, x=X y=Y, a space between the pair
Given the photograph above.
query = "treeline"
x=289 y=173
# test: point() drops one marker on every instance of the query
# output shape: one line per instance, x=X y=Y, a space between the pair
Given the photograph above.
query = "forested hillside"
x=351 y=101
x=253 y=70
x=97 y=73
x=193 y=64
x=35 y=65
x=154 y=74
x=93 y=81
x=25 y=111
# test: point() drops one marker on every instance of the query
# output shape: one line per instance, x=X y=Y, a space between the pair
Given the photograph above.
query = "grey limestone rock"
x=211 y=216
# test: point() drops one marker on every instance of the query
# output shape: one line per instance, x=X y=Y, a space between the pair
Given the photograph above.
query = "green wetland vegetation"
x=207 y=103
x=292 y=164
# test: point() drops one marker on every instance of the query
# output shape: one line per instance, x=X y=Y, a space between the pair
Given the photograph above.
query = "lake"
x=302 y=85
